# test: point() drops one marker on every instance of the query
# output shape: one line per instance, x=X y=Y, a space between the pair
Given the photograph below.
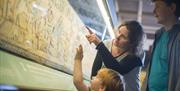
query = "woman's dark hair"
x=169 y=2
x=135 y=36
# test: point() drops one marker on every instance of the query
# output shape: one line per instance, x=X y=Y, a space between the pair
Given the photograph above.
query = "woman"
x=121 y=54
x=105 y=80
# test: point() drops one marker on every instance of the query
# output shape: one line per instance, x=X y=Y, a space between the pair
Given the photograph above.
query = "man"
x=164 y=68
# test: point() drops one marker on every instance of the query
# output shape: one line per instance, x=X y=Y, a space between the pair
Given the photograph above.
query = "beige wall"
x=46 y=31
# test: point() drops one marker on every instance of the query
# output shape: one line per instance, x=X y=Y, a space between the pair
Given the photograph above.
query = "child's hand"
x=79 y=53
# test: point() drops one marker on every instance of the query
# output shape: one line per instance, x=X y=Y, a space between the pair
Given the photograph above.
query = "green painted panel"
x=24 y=73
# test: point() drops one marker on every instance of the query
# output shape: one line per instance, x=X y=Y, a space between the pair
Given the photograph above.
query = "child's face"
x=96 y=83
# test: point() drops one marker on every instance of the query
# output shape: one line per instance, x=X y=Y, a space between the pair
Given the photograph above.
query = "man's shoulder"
x=161 y=29
x=176 y=30
x=178 y=35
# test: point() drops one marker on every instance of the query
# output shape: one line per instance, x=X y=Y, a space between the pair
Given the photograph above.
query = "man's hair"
x=169 y=2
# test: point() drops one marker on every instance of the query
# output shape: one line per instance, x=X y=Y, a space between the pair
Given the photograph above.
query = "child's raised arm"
x=77 y=74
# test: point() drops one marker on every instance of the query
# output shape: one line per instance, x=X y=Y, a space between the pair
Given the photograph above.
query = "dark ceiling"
x=140 y=10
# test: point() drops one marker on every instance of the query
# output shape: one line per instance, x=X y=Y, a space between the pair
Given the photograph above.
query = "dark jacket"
x=173 y=59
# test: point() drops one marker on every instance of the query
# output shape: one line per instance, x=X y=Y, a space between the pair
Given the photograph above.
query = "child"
x=105 y=80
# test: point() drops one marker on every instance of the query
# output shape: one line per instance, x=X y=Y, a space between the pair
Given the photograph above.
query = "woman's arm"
x=96 y=65
x=124 y=66
x=78 y=75
x=92 y=38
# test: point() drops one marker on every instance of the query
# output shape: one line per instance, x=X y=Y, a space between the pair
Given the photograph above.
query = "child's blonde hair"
x=111 y=80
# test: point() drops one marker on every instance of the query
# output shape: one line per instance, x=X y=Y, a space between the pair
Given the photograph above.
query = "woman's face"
x=121 y=39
